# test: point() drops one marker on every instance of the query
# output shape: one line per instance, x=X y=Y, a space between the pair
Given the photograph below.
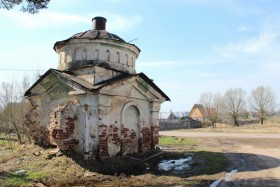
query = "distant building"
x=191 y=122
x=252 y=115
x=171 y=116
x=198 y=113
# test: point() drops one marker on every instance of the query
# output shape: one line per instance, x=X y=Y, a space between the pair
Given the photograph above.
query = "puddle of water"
x=177 y=165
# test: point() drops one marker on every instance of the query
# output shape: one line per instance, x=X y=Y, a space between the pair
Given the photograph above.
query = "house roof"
x=200 y=108
x=90 y=87
x=165 y=115
x=187 y=118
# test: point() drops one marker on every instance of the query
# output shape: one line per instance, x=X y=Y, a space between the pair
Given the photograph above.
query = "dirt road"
x=255 y=156
x=219 y=134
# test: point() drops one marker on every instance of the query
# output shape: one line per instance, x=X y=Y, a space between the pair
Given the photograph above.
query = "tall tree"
x=212 y=105
x=31 y=6
x=234 y=104
x=262 y=101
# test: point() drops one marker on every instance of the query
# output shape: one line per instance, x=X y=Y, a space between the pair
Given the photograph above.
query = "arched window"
x=108 y=55
x=118 y=57
x=74 y=53
x=65 y=56
x=132 y=62
x=96 y=54
x=60 y=58
x=126 y=59
x=84 y=54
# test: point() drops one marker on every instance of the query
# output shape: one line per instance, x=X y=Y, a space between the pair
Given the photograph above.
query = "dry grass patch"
x=271 y=125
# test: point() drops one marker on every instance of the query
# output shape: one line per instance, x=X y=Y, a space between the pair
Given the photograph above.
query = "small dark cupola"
x=99 y=23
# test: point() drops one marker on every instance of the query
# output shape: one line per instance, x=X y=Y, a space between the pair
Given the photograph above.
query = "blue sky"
x=187 y=46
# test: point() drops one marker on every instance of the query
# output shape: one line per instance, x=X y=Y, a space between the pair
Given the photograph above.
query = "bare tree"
x=234 y=104
x=212 y=105
x=14 y=107
x=10 y=99
x=31 y=6
x=262 y=101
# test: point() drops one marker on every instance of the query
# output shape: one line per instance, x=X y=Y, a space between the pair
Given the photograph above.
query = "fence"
x=173 y=125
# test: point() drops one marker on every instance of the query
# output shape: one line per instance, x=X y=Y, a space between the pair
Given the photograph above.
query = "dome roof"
x=98 y=32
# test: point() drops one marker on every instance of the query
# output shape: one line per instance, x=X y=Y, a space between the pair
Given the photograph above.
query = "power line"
x=22 y=70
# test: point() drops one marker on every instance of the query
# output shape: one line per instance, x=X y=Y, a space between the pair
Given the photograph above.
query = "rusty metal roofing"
x=91 y=87
x=91 y=35
x=64 y=75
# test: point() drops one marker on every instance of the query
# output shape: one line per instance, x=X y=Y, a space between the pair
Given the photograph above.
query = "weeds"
x=167 y=140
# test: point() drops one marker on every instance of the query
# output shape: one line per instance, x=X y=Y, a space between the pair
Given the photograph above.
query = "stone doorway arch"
x=130 y=132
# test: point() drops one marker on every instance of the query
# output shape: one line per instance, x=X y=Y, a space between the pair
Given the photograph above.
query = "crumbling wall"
x=129 y=142
x=63 y=121
x=40 y=134
x=113 y=140
x=102 y=147
x=155 y=135
x=145 y=140
x=126 y=125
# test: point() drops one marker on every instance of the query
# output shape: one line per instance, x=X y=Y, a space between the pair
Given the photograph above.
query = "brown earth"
x=58 y=170
x=255 y=156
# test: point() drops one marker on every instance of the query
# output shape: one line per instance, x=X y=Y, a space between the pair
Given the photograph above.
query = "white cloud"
x=263 y=43
x=44 y=19
x=48 y=18
x=253 y=45
x=120 y=23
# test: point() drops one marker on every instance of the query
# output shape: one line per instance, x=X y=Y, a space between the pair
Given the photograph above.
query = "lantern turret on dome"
x=96 y=47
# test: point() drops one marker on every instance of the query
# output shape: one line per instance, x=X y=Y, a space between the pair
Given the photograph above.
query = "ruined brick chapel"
x=95 y=103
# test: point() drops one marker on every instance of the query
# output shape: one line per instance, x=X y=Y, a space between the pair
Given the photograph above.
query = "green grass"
x=170 y=140
x=38 y=175
x=14 y=180
x=213 y=162
x=2 y=143
x=25 y=180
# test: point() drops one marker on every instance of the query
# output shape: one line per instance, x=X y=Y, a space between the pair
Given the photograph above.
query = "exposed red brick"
x=145 y=141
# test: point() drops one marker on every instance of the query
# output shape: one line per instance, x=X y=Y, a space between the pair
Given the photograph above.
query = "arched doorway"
x=130 y=128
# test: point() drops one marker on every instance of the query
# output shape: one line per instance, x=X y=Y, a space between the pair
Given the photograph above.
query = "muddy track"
x=255 y=156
